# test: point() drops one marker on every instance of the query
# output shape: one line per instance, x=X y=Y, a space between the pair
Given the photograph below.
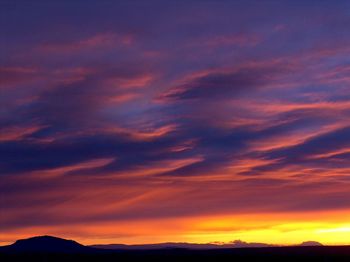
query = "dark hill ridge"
x=48 y=244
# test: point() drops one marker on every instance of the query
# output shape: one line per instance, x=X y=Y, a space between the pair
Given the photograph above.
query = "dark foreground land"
x=47 y=248
x=244 y=254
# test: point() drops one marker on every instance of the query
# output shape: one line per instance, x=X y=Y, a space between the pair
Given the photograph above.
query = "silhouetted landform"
x=310 y=244
x=46 y=248
x=45 y=244
x=233 y=244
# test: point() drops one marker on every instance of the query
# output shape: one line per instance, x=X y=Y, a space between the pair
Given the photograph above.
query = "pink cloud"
x=14 y=133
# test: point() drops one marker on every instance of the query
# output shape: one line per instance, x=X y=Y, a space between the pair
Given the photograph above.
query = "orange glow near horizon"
x=328 y=228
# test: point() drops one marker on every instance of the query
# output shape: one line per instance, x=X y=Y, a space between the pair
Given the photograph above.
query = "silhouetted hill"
x=46 y=244
x=310 y=244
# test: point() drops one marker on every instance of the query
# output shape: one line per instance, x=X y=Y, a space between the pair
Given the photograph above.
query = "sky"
x=175 y=121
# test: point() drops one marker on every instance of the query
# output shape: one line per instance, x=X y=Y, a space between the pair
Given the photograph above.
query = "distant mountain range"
x=234 y=244
x=52 y=244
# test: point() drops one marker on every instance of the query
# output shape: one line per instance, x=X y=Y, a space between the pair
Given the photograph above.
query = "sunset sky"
x=175 y=121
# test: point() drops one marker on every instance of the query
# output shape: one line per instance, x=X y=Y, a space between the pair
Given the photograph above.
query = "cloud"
x=99 y=41
x=82 y=100
x=225 y=84
x=17 y=132
x=14 y=75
